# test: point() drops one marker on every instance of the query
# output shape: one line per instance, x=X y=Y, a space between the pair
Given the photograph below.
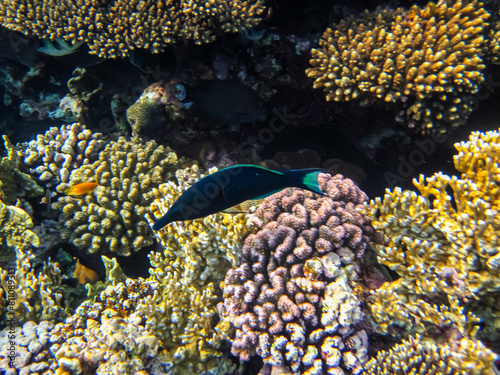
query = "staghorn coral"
x=113 y=28
x=208 y=246
x=424 y=61
x=291 y=298
x=426 y=357
x=54 y=155
x=111 y=220
x=444 y=241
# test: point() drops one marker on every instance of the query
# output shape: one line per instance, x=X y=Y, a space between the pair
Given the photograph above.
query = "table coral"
x=425 y=357
x=111 y=220
x=443 y=241
x=208 y=246
x=113 y=28
x=427 y=61
x=291 y=298
x=53 y=155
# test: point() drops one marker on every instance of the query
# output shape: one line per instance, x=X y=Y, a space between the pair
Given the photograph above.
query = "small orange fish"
x=80 y=189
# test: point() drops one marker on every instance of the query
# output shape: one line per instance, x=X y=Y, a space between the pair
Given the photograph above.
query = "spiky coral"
x=112 y=28
x=111 y=220
x=426 y=357
x=444 y=241
x=425 y=60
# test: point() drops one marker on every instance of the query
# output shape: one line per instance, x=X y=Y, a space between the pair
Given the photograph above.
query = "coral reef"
x=113 y=28
x=154 y=108
x=159 y=325
x=39 y=294
x=419 y=356
x=426 y=61
x=443 y=241
x=15 y=184
x=111 y=220
x=15 y=224
x=208 y=246
x=292 y=296
x=54 y=155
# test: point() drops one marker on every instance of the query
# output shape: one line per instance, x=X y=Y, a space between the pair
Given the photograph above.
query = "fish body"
x=228 y=101
x=231 y=186
x=82 y=188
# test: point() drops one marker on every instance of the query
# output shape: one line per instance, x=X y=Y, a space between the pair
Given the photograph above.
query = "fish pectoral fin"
x=267 y=194
x=231 y=212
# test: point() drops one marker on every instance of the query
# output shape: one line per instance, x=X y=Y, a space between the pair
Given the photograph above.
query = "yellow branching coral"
x=112 y=28
x=112 y=218
x=444 y=240
x=39 y=295
x=208 y=246
x=426 y=60
x=15 y=226
x=426 y=357
x=13 y=182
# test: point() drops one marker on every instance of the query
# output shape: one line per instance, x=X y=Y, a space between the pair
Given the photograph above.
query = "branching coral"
x=291 y=298
x=111 y=220
x=158 y=325
x=54 y=155
x=39 y=295
x=14 y=183
x=444 y=241
x=15 y=226
x=425 y=357
x=208 y=246
x=425 y=60
x=112 y=28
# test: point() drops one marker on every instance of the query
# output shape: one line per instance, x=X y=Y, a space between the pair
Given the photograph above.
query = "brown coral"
x=290 y=298
x=425 y=60
x=112 y=218
x=112 y=28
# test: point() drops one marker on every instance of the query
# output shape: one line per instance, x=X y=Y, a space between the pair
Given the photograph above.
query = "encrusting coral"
x=56 y=153
x=113 y=28
x=111 y=219
x=292 y=296
x=443 y=242
x=426 y=357
x=425 y=61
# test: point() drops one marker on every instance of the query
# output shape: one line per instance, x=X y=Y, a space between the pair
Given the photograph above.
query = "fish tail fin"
x=308 y=179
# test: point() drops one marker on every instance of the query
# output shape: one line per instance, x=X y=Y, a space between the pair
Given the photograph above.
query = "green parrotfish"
x=233 y=185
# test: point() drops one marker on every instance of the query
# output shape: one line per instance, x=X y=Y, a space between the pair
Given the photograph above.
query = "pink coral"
x=277 y=294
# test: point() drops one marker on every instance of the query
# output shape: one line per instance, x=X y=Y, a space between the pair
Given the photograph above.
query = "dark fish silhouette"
x=231 y=186
x=229 y=101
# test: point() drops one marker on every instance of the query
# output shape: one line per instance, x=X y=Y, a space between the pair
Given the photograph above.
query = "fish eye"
x=180 y=92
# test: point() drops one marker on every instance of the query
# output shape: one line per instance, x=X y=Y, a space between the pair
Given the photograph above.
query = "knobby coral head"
x=291 y=297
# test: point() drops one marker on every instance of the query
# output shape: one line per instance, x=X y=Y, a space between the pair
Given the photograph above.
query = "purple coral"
x=299 y=263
